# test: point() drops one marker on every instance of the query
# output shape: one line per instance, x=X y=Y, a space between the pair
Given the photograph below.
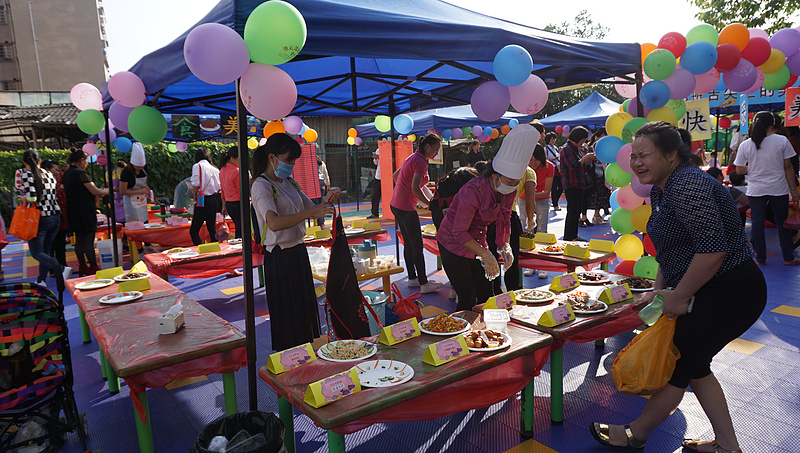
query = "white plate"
x=591 y=312
x=118 y=278
x=235 y=247
x=120 y=298
x=94 y=284
x=182 y=255
x=505 y=344
x=323 y=351
x=354 y=230
x=370 y=373
x=605 y=279
x=444 y=334
x=545 y=252
x=531 y=301
x=235 y=241
x=153 y=226
x=637 y=290
x=168 y=252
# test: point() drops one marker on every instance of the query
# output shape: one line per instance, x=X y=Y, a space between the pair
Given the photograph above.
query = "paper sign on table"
x=505 y=300
x=576 y=251
x=445 y=350
x=208 y=248
x=564 y=282
x=429 y=228
x=359 y=223
x=139 y=267
x=371 y=226
x=526 y=243
x=140 y=284
x=332 y=388
x=615 y=294
x=109 y=273
x=557 y=316
x=400 y=331
x=312 y=229
x=321 y=234
x=290 y=358
x=546 y=238
x=599 y=245
x=134 y=225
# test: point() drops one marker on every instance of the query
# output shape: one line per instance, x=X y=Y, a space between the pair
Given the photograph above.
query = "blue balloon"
x=93 y=158
x=123 y=144
x=403 y=124
x=654 y=94
x=513 y=122
x=487 y=131
x=699 y=57
x=612 y=200
x=512 y=65
x=447 y=134
x=607 y=147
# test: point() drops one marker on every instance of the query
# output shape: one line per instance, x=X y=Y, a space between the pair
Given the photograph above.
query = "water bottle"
x=650 y=314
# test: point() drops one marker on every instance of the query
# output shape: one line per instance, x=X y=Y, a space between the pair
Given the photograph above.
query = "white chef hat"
x=515 y=151
x=137 y=155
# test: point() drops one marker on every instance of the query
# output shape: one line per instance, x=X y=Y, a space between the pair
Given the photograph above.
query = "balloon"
x=215 y=53
x=86 y=96
x=706 y=82
x=740 y=78
x=612 y=200
x=566 y=129
x=147 y=125
x=646 y=267
x=275 y=32
x=559 y=129
x=678 y=106
x=699 y=57
x=774 y=62
x=495 y=133
x=458 y=133
x=127 y=89
x=633 y=108
x=118 y=114
x=477 y=130
x=624 y=158
x=172 y=148
x=90 y=149
x=90 y=121
x=724 y=122
x=93 y=158
x=111 y=135
x=758 y=33
x=654 y=94
x=674 y=42
x=646 y=49
x=447 y=134
x=351 y=141
x=490 y=100
x=648 y=245
x=565 y=135
x=630 y=128
x=665 y=114
x=728 y=56
x=791 y=82
x=617 y=178
x=273 y=127
x=606 y=148
x=628 y=247
x=659 y=64
x=487 y=131
x=529 y=97
x=680 y=83
x=757 y=51
x=358 y=141
x=624 y=268
x=303 y=129
x=181 y=146
x=383 y=123
x=626 y=89
x=702 y=33
x=352 y=132
x=310 y=135
x=615 y=122
x=776 y=80
x=620 y=221
x=512 y=65
x=787 y=40
x=643 y=190
x=266 y=91
x=793 y=63
x=252 y=143
x=403 y=124
x=628 y=199
x=735 y=34
x=513 y=122
x=293 y=124
x=485 y=138
x=505 y=129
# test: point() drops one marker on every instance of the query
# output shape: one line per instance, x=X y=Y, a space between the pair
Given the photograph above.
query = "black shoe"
x=373 y=216
x=579 y=239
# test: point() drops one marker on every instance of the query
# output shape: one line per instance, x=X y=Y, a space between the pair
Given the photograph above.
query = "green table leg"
x=166 y=278
x=86 y=334
x=526 y=415
x=261 y=276
x=111 y=376
x=335 y=442
x=604 y=266
x=520 y=277
x=557 y=386
x=229 y=386
x=600 y=343
x=103 y=365
x=438 y=263
x=286 y=414
x=143 y=430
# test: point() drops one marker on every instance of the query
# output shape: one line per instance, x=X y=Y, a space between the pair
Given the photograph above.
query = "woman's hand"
x=674 y=304
x=645 y=299
x=490 y=265
x=320 y=210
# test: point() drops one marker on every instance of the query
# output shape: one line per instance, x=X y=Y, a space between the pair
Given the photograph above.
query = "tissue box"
x=167 y=323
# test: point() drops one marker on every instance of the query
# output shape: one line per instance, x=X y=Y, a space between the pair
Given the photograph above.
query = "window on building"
x=3 y=15
x=6 y=52
x=9 y=85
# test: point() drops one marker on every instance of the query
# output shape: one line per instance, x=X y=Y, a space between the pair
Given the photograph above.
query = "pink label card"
x=561 y=314
x=568 y=281
x=504 y=300
x=292 y=358
x=336 y=387
x=403 y=330
x=618 y=293
x=448 y=349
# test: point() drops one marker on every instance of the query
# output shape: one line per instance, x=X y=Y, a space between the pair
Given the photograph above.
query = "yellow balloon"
x=412 y=137
x=351 y=141
x=352 y=132
x=310 y=135
x=640 y=216
x=616 y=122
x=774 y=62
x=252 y=143
x=628 y=247
x=663 y=114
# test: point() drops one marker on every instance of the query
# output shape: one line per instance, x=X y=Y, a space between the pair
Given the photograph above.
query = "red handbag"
x=793 y=220
x=406 y=307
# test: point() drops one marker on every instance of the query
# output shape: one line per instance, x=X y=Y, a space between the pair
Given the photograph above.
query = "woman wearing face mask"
x=281 y=207
x=482 y=201
x=205 y=183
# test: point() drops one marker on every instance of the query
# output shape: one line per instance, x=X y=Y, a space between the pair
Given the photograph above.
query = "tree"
x=581 y=27
x=771 y=15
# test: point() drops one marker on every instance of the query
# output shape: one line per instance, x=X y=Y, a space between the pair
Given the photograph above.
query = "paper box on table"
x=208 y=248
x=615 y=294
x=291 y=358
x=526 y=243
x=359 y=223
x=371 y=226
x=446 y=350
x=400 y=331
x=564 y=282
x=496 y=320
x=505 y=300
x=599 y=245
x=576 y=251
x=167 y=323
x=321 y=234
x=546 y=238
x=312 y=229
x=332 y=388
x=109 y=273
x=557 y=316
x=140 y=284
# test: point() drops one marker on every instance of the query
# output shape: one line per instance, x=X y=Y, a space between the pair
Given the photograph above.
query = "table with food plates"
x=186 y=262
x=478 y=379
x=354 y=236
x=167 y=235
x=131 y=348
x=383 y=274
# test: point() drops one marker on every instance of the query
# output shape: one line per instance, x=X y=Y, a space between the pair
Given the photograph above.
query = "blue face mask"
x=284 y=170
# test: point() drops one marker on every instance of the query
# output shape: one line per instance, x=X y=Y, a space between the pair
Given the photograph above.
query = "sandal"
x=691 y=445
x=598 y=220
x=604 y=439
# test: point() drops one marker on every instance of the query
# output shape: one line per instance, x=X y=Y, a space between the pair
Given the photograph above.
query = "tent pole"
x=247 y=246
x=393 y=137
x=110 y=185
x=354 y=95
x=639 y=80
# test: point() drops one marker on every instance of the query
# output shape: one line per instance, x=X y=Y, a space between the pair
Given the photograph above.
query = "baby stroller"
x=35 y=369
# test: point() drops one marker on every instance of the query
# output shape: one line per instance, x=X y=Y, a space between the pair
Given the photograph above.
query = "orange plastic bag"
x=645 y=365
x=25 y=223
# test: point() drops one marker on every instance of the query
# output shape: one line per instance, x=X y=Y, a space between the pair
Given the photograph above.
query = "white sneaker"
x=430 y=287
x=452 y=294
x=528 y=272
x=67 y=272
x=413 y=282
x=542 y=274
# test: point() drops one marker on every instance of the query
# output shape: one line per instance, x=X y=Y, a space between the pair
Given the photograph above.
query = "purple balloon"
x=358 y=141
x=477 y=130
x=216 y=54
x=759 y=81
x=112 y=135
x=633 y=108
x=643 y=190
x=293 y=124
x=742 y=77
x=565 y=129
x=793 y=63
x=787 y=40
x=458 y=133
x=490 y=100
x=654 y=94
x=680 y=83
x=118 y=114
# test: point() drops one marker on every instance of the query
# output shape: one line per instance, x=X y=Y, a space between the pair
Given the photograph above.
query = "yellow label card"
x=445 y=350
x=312 y=229
x=564 y=282
x=429 y=228
x=359 y=223
x=371 y=226
x=599 y=245
x=290 y=358
x=400 y=331
x=321 y=234
x=139 y=267
x=526 y=243
x=615 y=294
x=208 y=248
x=109 y=273
x=332 y=388
x=576 y=251
x=557 y=316
x=505 y=300
x=141 y=284
x=546 y=238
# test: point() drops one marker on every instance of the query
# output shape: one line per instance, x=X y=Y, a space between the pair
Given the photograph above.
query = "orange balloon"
x=352 y=132
x=505 y=129
x=310 y=135
x=736 y=34
x=495 y=133
x=646 y=49
x=273 y=127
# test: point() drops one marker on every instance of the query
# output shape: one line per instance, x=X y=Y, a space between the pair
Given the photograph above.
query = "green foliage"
x=770 y=15
x=581 y=27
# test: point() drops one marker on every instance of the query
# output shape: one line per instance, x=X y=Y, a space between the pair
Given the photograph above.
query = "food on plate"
x=532 y=295
x=444 y=324
x=554 y=248
x=527 y=234
x=235 y=241
x=178 y=211
x=133 y=275
x=591 y=277
x=484 y=339
x=209 y=125
x=580 y=301
x=176 y=250
x=309 y=237
x=637 y=282
x=347 y=350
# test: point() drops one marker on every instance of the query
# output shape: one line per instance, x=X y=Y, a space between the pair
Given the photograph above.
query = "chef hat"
x=137 y=155
x=515 y=151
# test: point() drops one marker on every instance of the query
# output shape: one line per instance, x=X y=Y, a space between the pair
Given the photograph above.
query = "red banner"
x=402 y=149
x=793 y=106
x=306 y=172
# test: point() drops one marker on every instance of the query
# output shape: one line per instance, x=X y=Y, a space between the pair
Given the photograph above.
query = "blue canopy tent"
x=592 y=111
x=445 y=118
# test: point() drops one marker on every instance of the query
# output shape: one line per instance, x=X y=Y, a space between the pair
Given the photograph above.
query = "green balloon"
x=173 y=148
x=275 y=32
x=147 y=125
x=646 y=267
x=776 y=80
x=383 y=123
x=625 y=105
x=620 y=221
x=630 y=128
x=703 y=32
x=466 y=131
x=678 y=106
x=659 y=64
x=616 y=176
x=91 y=121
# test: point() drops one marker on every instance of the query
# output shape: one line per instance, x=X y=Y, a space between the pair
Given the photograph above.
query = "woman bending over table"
x=702 y=251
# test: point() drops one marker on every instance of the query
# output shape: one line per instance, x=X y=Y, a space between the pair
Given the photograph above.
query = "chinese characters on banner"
x=743 y=114
x=186 y=127
x=228 y=123
x=697 y=119
x=793 y=106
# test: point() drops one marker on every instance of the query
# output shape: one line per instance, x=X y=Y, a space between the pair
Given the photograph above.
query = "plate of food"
x=153 y=226
x=131 y=276
x=552 y=249
x=638 y=284
x=592 y=278
x=120 y=298
x=383 y=373
x=486 y=340
x=174 y=250
x=235 y=241
x=347 y=350
x=444 y=325
x=533 y=296
x=94 y=284
x=183 y=255
x=583 y=305
x=309 y=237
x=354 y=230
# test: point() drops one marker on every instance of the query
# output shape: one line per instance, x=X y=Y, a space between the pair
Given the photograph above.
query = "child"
x=739 y=197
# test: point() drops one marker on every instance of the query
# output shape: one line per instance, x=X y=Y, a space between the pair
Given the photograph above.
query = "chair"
x=39 y=372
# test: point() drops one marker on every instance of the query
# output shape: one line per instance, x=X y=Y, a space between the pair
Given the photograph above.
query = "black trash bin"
x=253 y=422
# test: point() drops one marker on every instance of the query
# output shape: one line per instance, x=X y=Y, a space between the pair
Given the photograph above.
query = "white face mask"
x=503 y=188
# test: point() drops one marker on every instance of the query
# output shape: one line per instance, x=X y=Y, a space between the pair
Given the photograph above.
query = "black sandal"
x=604 y=439
x=691 y=445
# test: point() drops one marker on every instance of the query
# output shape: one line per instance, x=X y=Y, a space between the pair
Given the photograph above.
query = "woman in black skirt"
x=281 y=208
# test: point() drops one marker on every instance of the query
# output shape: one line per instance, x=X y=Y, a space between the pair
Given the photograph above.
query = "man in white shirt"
x=376 y=183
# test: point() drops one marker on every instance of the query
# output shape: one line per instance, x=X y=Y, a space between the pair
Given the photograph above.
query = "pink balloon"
x=624 y=158
x=293 y=124
x=757 y=85
x=86 y=96
x=529 y=97
x=706 y=82
x=181 y=146
x=358 y=141
x=90 y=149
x=216 y=54
x=118 y=114
x=112 y=135
x=627 y=199
x=758 y=33
x=268 y=92
x=127 y=89
x=625 y=90
x=643 y=190
x=681 y=83
x=490 y=100
x=566 y=129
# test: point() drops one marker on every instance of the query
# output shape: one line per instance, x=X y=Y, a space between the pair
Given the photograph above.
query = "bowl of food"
x=444 y=325
x=131 y=276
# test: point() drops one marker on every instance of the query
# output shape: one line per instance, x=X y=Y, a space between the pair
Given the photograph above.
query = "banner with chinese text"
x=696 y=120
